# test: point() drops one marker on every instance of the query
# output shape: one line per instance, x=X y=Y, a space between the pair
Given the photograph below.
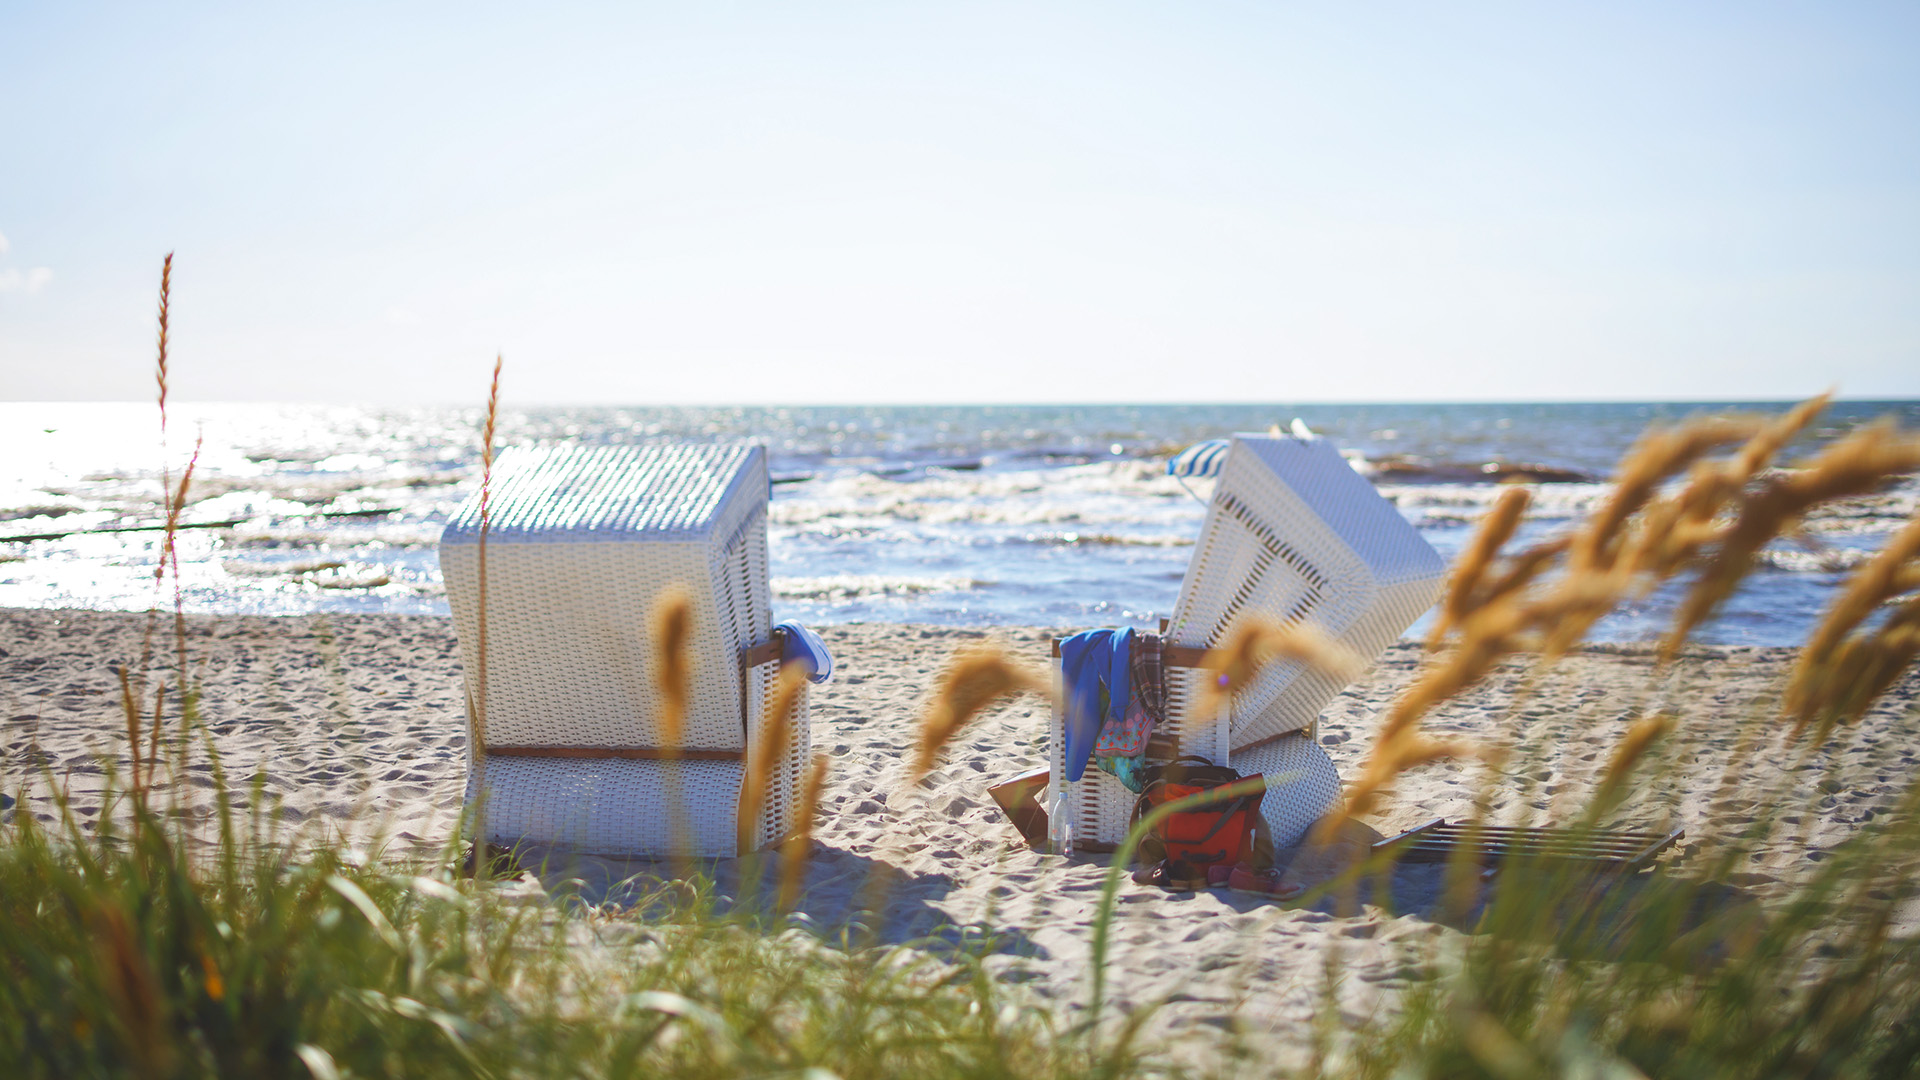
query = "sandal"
x=1265 y=883
x=1171 y=874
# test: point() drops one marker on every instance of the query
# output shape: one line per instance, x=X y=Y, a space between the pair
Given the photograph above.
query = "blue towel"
x=1092 y=661
x=804 y=647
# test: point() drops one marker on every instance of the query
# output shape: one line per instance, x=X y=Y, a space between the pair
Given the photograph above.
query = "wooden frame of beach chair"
x=1292 y=535
x=1603 y=850
x=581 y=545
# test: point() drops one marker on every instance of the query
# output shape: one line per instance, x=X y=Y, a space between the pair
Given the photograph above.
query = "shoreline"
x=351 y=715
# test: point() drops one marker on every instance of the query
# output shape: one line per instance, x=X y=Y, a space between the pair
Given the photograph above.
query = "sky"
x=902 y=203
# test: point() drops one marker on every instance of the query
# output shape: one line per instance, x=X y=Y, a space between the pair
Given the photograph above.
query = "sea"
x=978 y=516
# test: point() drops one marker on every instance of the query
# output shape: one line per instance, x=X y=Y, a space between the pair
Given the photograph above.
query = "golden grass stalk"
x=1641 y=540
x=1882 y=578
x=132 y=710
x=1655 y=458
x=1499 y=605
x=1390 y=757
x=170 y=560
x=477 y=712
x=153 y=728
x=1254 y=643
x=976 y=678
x=1860 y=463
x=172 y=501
x=770 y=751
x=1470 y=569
x=1633 y=746
x=138 y=1000
x=793 y=855
x=672 y=631
x=160 y=369
x=1861 y=669
x=1771 y=439
x=672 y=623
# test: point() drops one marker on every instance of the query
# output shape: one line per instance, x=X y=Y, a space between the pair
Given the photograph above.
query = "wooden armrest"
x=1180 y=656
x=766 y=652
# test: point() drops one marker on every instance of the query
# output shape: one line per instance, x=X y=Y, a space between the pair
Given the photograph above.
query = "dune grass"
x=129 y=952
x=187 y=935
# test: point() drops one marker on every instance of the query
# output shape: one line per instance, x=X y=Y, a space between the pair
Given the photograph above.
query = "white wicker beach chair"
x=1292 y=535
x=582 y=542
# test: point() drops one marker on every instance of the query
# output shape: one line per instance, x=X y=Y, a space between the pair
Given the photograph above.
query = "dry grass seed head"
x=1760 y=450
x=793 y=856
x=1862 y=669
x=1496 y=528
x=1489 y=635
x=1521 y=571
x=1860 y=463
x=1656 y=457
x=1391 y=757
x=138 y=999
x=1633 y=746
x=160 y=368
x=493 y=413
x=1577 y=601
x=1881 y=578
x=975 y=679
x=1254 y=643
x=672 y=630
x=776 y=728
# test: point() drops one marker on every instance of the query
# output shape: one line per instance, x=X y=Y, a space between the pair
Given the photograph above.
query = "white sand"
x=351 y=716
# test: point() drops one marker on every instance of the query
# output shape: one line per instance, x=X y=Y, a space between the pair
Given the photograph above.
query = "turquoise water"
x=1030 y=515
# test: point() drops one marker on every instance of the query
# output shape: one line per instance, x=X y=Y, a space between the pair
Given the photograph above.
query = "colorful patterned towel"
x=1121 y=747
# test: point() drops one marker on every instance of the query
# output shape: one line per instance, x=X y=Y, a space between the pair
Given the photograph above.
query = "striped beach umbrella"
x=1202 y=459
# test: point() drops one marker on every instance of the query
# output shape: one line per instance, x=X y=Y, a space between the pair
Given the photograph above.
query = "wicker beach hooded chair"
x=1292 y=535
x=581 y=544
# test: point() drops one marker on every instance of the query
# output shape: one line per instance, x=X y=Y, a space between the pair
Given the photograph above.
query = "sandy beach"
x=354 y=719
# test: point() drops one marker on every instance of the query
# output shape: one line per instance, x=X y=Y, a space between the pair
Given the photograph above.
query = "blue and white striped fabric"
x=1202 y=459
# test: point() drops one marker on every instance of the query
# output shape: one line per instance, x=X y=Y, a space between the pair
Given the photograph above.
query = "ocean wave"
x=1867 y=515
x=1443 y=505
x=295 y=567
x=398 y=534
x=1106 y=494
x=844 y=587
x=48 y=511
x=320 y=573
x=1407 y=469
x=1821 y=561
x=1072 y=539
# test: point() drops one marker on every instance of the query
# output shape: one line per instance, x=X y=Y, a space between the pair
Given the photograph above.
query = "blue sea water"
x=961 y=515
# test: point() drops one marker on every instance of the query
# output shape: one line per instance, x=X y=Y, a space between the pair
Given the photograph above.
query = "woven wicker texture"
x=1098 y=804
x=1302 y=784
x=608 y=806
x=563 y=494
x=1294 y=535
x=581 y=545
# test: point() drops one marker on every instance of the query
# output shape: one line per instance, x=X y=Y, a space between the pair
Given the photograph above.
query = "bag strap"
x=1185 y=764
x=1226 y=812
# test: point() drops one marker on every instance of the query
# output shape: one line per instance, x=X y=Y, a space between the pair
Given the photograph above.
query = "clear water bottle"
x=1060 y=824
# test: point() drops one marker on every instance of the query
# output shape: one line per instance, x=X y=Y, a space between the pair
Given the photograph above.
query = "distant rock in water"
x=1412 y=470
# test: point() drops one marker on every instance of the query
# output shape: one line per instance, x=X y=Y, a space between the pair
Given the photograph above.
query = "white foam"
x=1830 y=560
x=838 y=588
